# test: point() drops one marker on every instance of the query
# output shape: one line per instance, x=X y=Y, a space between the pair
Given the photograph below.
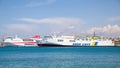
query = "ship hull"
x=16 y=41
x=72 y=45
x=9 y=44
x=55 y=45
x=50 y=45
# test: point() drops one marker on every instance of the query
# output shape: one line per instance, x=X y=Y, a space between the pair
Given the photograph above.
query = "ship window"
x=59 y=40
x=27 y=40
x=71 y=40
x=47 y=36
x=9 y=37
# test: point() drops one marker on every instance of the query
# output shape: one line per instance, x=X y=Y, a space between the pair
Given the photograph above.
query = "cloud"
x=57 y=24
x=22 y=30
x=20 y=27
x=41 y=26
x=71 y=27
x=39 y=3
x=57 y=20
x=108 y=29
x=114 y=18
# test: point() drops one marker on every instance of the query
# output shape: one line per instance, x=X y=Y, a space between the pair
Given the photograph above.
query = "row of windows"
x=27 y=40
x=60 y=40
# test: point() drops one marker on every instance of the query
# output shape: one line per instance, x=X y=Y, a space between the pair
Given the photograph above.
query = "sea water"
x=59 y=57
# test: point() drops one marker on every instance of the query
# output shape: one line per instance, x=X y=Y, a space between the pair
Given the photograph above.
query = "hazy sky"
x=30 y=17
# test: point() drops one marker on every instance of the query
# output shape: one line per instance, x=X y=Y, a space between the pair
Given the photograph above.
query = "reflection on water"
x=60 y=57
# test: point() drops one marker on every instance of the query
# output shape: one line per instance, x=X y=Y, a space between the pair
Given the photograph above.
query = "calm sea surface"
x=59 y=57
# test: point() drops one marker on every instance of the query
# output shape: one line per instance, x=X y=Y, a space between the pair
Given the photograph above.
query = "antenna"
x=4 y=37
x=94 y=34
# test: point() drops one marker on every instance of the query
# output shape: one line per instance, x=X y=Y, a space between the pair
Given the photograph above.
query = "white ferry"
x=74 y=41
x=16 y=41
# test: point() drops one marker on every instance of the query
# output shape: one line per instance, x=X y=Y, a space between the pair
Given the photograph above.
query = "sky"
x=70 y=17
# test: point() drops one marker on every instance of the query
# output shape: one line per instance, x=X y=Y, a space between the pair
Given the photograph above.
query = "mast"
x=94 y=34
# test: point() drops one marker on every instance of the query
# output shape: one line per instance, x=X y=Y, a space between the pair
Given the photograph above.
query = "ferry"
x=16 y=41
x=73 y=41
